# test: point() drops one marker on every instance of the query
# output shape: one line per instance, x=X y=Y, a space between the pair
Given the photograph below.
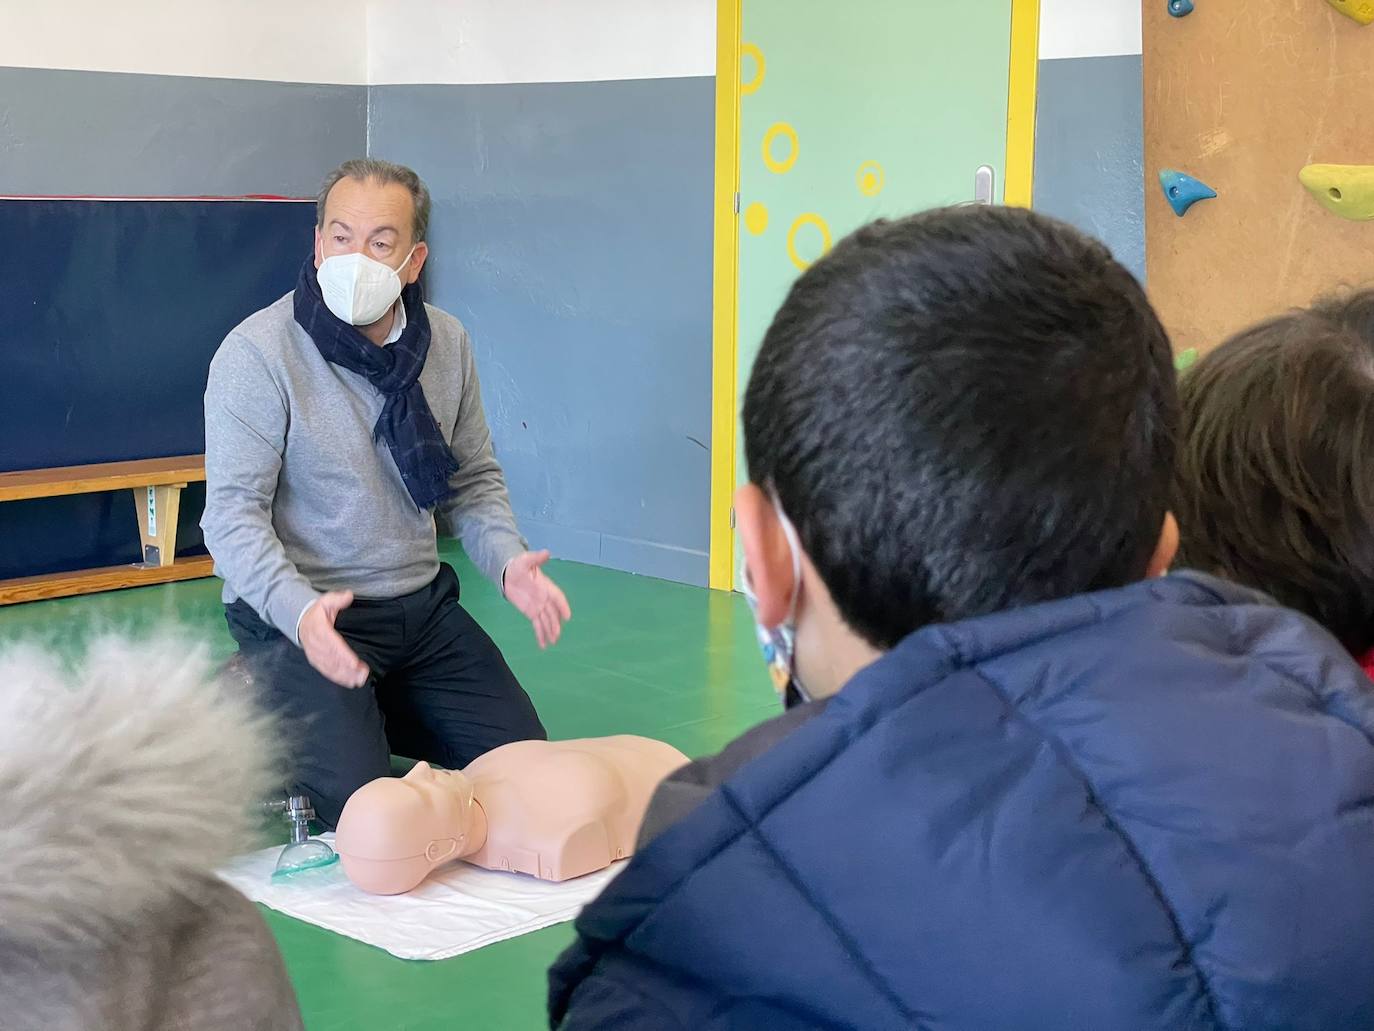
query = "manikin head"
x=393 y=832
x=964 y=411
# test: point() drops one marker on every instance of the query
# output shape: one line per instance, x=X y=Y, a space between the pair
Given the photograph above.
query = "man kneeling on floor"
x=339 y=423
x=1035 y=785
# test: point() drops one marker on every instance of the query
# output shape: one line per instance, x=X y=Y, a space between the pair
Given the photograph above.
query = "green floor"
x=640 y=657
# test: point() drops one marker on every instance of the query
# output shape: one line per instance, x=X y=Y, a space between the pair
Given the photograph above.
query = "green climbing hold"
x=1344 y=190
x=1185 y=360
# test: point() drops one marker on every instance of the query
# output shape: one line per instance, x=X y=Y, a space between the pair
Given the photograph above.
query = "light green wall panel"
x=918 y=89
x=869 y=108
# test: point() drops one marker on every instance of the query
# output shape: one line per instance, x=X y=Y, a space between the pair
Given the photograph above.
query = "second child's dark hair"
x=1352 y=310
x=1276 y=464
x=965 y=411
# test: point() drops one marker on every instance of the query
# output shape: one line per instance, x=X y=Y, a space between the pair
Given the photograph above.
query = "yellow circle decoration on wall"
x=756 y=217
x=760 y=66
x=871 y=178
x=809 y=219
x=790 y=134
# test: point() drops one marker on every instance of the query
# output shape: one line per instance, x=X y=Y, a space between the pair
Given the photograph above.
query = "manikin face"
x=442 y=799
x=393 y=832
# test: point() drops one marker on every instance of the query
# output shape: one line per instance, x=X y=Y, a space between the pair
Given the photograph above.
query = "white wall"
x=1090 y=28
x=283 y=40
x=366 y=41
x=484 y=41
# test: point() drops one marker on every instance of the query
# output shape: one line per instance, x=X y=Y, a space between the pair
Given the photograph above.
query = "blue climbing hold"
x=1183 y=191
x=1180 y=8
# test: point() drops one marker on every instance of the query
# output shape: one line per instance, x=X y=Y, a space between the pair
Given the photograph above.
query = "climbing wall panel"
x=1243 y=97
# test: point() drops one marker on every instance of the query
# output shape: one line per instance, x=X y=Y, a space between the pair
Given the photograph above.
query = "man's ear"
x=417 y=263
x=1166 y=549
x=766 y=554
x=319 y=248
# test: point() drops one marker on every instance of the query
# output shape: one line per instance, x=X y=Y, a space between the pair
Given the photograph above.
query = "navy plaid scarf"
x=406 y=424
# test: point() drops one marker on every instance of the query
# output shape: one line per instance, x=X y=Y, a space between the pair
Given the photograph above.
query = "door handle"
x=983 y=183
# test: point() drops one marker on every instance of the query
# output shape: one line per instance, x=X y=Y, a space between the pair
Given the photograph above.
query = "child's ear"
x=767 y=553
x=1166 y=549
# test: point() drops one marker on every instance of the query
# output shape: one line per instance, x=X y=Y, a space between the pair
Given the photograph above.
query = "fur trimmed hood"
x=125 y=780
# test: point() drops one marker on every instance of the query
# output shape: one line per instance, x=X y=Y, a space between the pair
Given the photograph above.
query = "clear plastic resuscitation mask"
x=358 y=289
x=779 y=643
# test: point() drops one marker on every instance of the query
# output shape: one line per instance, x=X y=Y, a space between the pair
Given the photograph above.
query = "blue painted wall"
x=123 y=135
x=1089 y=164
x=571 y=233
x=136 y=309
x=572 y=236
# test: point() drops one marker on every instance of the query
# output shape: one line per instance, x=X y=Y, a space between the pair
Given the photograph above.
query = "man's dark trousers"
x=440 y=690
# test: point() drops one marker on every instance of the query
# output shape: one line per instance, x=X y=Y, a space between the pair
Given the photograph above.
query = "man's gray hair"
x=385 y=173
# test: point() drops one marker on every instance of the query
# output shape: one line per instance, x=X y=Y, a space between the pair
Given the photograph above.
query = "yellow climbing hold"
x=760 y=66
x=1361 y=10
x=809 y=219
x=1344 y=190
x=871 y=178
x=788 y=133
x=756 y=217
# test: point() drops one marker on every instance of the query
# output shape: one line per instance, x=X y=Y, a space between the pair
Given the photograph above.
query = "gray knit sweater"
x=300 y=499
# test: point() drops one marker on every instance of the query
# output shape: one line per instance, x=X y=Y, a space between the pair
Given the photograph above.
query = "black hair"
x=1352 y=310
x=1276 y=463
x=964 y=411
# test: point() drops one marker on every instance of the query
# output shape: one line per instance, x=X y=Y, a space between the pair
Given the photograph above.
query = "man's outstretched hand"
x=538 y=597
x=325 y=647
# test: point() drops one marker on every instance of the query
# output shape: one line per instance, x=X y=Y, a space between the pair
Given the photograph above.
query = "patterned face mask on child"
x=779 y=643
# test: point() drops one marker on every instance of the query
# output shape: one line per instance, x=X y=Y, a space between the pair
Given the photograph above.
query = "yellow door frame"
x=725 y=298
x=1017 y=191
x=1022 y=90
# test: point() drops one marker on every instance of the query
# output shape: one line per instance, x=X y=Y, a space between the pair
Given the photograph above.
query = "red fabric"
x=1367 y=663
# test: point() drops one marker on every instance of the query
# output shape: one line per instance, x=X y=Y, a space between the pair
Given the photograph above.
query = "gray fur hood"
x=125 y=780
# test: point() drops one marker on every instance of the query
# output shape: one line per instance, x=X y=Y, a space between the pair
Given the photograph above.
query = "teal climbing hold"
x=1180 y=8
x=1183 y=191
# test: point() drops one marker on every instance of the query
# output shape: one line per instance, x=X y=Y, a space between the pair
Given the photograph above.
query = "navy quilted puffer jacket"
x=1150 y=808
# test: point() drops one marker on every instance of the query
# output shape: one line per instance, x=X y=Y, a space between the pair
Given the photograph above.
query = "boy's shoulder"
x=686 y=789
x=1189 y=622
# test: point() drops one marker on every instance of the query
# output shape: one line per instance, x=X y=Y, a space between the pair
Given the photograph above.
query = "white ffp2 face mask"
x=358 y=289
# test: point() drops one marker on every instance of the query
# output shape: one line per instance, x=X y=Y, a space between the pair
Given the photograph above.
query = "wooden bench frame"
x=156 y=485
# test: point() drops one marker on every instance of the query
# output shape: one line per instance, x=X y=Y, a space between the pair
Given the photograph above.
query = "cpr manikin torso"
x=552 y=809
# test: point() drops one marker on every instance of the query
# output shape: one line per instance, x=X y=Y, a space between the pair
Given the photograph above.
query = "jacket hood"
x=125 y=780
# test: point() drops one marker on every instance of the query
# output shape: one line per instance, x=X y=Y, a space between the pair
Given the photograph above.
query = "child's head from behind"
x=964 y=411
x=1276 y=464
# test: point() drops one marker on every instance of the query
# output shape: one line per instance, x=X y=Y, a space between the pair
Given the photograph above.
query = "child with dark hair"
x=1028 y=782
x=1276 y=464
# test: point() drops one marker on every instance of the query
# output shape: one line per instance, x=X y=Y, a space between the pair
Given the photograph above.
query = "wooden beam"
x=111 y=578
x=93 y=479
x=158 y=508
